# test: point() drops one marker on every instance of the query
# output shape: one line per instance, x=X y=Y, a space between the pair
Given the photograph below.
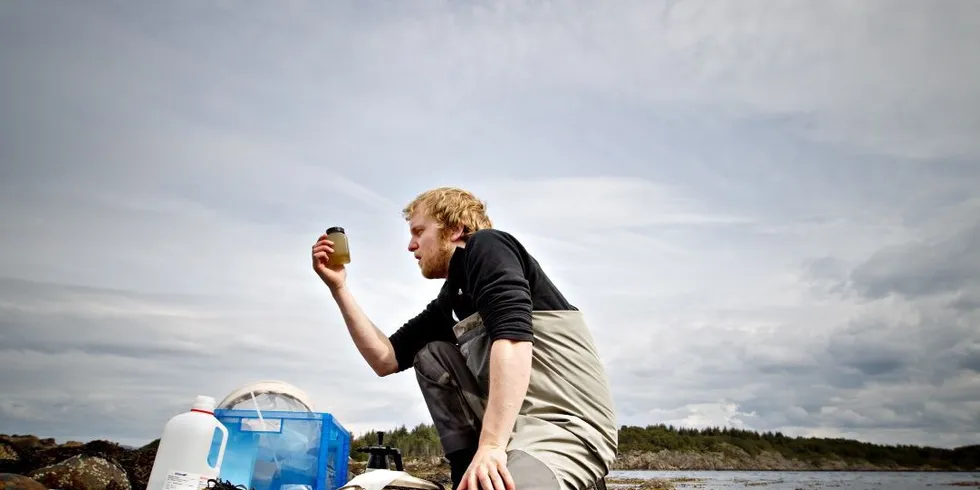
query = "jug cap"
x=203 y=403
x=335 y=229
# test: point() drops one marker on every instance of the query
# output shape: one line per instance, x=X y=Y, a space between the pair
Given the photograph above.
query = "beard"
x=435 y=265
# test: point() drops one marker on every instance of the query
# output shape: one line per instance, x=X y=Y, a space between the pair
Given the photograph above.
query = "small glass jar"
x=341 y=249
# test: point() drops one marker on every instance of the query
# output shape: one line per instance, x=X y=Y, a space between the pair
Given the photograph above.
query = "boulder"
x=10 y=481
x=83 y=472
x=8 y=453
x=10 y=460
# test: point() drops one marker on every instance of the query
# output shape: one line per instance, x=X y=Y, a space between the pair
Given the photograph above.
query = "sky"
x=768 y=211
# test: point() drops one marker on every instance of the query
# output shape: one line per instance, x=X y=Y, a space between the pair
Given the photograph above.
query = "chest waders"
x=565 y=436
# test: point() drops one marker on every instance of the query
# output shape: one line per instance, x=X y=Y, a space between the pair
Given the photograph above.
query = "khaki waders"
x=565 y=436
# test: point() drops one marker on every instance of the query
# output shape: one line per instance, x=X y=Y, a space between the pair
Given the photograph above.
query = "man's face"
x=431 y=245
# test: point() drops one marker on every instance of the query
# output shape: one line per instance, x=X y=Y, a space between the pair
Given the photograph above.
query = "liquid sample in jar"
x=341 y=249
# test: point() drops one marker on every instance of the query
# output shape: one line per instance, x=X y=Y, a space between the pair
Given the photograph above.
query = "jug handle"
x=224 y=443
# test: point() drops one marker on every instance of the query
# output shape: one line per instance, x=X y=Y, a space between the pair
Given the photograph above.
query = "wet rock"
x=106 y=450
x=83 y=472
x=33 y=453
x=26 y=447
x=10 y=460
x=138 y=464
x=657 y=484
x=9 y=481
x=7 y=452
x=27 y=443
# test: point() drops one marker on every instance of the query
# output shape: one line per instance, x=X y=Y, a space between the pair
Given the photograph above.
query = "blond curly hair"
x=451 y=207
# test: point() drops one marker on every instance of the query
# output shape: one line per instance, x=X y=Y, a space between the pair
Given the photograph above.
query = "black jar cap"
x=335 y=229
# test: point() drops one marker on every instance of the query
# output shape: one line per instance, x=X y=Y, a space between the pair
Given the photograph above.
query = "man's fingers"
x=473 y=485
x=323 y=248
x=485 y=480
x=508 y=479
x=498 y=483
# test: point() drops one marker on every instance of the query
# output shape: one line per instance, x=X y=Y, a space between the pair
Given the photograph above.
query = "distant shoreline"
x=667 y=448
x=725 y=456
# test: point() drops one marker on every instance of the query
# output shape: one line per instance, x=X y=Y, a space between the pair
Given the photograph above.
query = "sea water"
x=793 y=480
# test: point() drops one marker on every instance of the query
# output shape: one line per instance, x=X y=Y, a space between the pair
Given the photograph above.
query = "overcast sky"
x=769 y=211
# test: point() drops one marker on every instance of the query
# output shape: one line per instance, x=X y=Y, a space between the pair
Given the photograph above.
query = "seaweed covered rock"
x=138 y=463
x=8 y=453
x=17 y=452
x=9 y=459
x=109 y=451
x=83 y=472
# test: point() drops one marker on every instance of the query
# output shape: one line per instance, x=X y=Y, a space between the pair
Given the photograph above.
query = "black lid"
x=334 y=229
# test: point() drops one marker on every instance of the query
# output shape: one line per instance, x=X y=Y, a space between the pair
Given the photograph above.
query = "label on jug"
x=182 y=480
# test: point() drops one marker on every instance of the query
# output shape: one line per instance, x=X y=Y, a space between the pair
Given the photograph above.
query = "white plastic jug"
x=182 y=458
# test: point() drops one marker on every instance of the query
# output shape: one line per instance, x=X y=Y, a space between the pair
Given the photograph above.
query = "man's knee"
x=544 y=464
x=530 y=473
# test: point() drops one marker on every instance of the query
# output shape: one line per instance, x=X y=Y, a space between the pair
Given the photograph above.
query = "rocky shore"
x=31 y=463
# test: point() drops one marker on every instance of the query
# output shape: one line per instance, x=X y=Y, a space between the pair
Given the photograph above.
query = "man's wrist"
x=338 y=290
x=493 y=441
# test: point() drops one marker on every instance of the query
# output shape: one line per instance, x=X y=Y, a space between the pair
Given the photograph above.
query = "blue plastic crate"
x=281 y=449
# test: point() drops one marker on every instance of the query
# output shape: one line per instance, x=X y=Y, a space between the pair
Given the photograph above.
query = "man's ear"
x=456 y=233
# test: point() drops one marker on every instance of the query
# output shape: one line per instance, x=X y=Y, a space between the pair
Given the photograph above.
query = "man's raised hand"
x=334 y=276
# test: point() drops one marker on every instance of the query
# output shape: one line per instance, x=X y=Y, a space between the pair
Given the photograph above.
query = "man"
x=506 y=365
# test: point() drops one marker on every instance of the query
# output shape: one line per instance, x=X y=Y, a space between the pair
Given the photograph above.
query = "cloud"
x=741 y=60
x=911 y=349
x=768 y=213
x=922 y=269
x=588 y=205
x=77 y=352
x=850 y=359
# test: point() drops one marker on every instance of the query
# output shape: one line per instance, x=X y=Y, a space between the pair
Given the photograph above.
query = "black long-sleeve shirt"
x=493 y=275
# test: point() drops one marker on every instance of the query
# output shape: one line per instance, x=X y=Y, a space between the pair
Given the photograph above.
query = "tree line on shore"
x=422 y=442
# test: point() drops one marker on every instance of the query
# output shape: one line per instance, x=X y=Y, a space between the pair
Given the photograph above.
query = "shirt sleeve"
x=427 y=326
x=495 y=271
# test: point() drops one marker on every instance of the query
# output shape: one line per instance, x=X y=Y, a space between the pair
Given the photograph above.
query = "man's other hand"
x=334 y=276
x=487 y=471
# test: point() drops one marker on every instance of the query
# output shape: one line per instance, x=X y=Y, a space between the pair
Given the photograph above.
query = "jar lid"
x=335 y=229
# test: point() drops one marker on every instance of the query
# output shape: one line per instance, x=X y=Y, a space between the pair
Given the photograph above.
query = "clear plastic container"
x=341 y=247
x=191 y=449
x=268 y=450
